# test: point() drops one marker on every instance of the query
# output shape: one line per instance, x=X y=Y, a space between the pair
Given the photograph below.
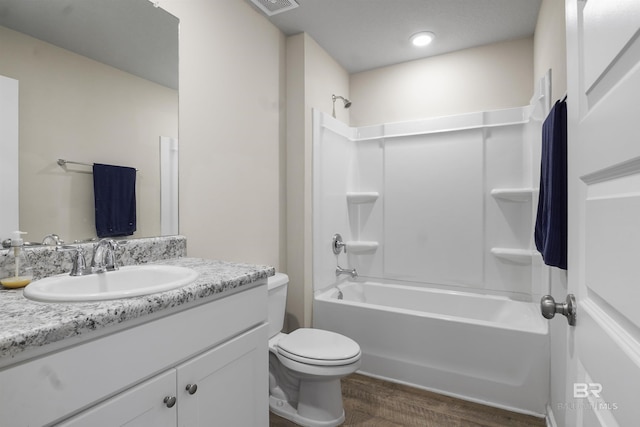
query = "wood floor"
x=375 y=403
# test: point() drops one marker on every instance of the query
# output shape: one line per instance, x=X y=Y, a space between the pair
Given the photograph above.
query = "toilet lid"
x=319 y=347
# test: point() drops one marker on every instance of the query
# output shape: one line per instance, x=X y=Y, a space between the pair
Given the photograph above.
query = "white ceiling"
x=367 y=34
x=359 y=34
x=131 y=35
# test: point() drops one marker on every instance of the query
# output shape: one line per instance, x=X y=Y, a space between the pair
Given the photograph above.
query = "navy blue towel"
x=551 y=220
x=114 y=189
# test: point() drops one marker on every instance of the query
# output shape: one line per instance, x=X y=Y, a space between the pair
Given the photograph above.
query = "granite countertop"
x=28 y=325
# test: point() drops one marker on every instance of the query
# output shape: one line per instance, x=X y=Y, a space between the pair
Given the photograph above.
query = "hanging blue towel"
x=114 y=189
x=551 y=220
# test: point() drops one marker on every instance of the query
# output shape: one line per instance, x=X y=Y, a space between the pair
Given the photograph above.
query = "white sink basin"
x=129 y=281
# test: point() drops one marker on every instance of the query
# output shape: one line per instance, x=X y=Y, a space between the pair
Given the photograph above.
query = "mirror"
x=98 y=83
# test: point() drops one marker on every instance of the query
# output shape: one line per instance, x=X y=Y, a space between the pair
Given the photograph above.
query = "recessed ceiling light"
x=422 y=38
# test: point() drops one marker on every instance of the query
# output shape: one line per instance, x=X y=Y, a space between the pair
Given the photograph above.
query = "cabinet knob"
x=192 y=388
x=170 y=401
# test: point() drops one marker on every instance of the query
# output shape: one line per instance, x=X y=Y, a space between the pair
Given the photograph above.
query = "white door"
x=603 y=51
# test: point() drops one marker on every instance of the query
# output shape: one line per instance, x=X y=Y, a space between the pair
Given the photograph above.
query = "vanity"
x=192 y=356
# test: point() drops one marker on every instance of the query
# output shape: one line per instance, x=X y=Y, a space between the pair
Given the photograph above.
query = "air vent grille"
x=272 y=7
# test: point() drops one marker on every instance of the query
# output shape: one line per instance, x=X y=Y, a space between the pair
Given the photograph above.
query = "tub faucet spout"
x=352 y=272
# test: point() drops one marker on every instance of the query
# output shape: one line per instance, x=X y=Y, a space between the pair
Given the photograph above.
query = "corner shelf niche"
x=519 y=256
x=513 y=194
x=361 y=246
x=519 y=195
x=362 y=196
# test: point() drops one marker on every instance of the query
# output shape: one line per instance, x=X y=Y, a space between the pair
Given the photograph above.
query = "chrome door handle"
x=549 y=307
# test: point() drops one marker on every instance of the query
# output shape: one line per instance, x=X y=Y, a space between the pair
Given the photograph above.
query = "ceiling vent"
x=273 y=7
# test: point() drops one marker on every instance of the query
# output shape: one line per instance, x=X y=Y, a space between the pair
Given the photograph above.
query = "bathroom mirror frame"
x=128 y=43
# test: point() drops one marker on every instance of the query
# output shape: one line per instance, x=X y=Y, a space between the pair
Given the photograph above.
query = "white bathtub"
x=487 y=349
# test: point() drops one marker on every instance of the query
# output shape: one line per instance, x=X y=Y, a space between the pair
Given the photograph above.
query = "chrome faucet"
x=352 y=272
x=52 y=240
x=104 y=256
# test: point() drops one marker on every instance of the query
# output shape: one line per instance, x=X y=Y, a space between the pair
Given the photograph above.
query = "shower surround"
x=443 y=205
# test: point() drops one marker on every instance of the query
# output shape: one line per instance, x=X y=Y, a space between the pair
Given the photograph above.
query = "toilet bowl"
x=305 y=366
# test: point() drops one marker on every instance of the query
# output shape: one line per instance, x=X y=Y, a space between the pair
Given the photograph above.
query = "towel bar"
x=63 y=163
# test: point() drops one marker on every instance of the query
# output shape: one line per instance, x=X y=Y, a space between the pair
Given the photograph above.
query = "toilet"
x=305 y=366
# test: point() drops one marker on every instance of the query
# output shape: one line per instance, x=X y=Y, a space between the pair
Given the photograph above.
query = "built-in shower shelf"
x=513 y=194
x=361 y=246
x=520 y=256
x=362 y=196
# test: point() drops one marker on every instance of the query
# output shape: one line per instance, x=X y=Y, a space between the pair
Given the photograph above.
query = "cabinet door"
x=140 y=406
x=232 y=384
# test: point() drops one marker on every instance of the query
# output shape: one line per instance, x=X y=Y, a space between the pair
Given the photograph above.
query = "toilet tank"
x=277 y=287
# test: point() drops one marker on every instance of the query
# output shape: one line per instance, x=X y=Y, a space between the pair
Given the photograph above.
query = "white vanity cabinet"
x=122 y=378
x=219 y=387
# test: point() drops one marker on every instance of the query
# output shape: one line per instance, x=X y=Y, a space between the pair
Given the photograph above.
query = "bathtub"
x=486 y=349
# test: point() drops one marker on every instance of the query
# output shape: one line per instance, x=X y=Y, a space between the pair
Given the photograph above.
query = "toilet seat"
x=319 y=347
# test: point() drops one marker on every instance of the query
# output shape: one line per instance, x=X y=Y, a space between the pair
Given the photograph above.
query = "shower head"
x=346 y=102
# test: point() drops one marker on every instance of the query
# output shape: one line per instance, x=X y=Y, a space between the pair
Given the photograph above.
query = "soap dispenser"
x=15 y=269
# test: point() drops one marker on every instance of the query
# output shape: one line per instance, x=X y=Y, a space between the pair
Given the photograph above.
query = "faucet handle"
x=110 y=259
x=338 y=244
x=112 y=264
x=78 y=257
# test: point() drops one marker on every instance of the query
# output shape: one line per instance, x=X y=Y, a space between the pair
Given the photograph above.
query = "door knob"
x=549 y=307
